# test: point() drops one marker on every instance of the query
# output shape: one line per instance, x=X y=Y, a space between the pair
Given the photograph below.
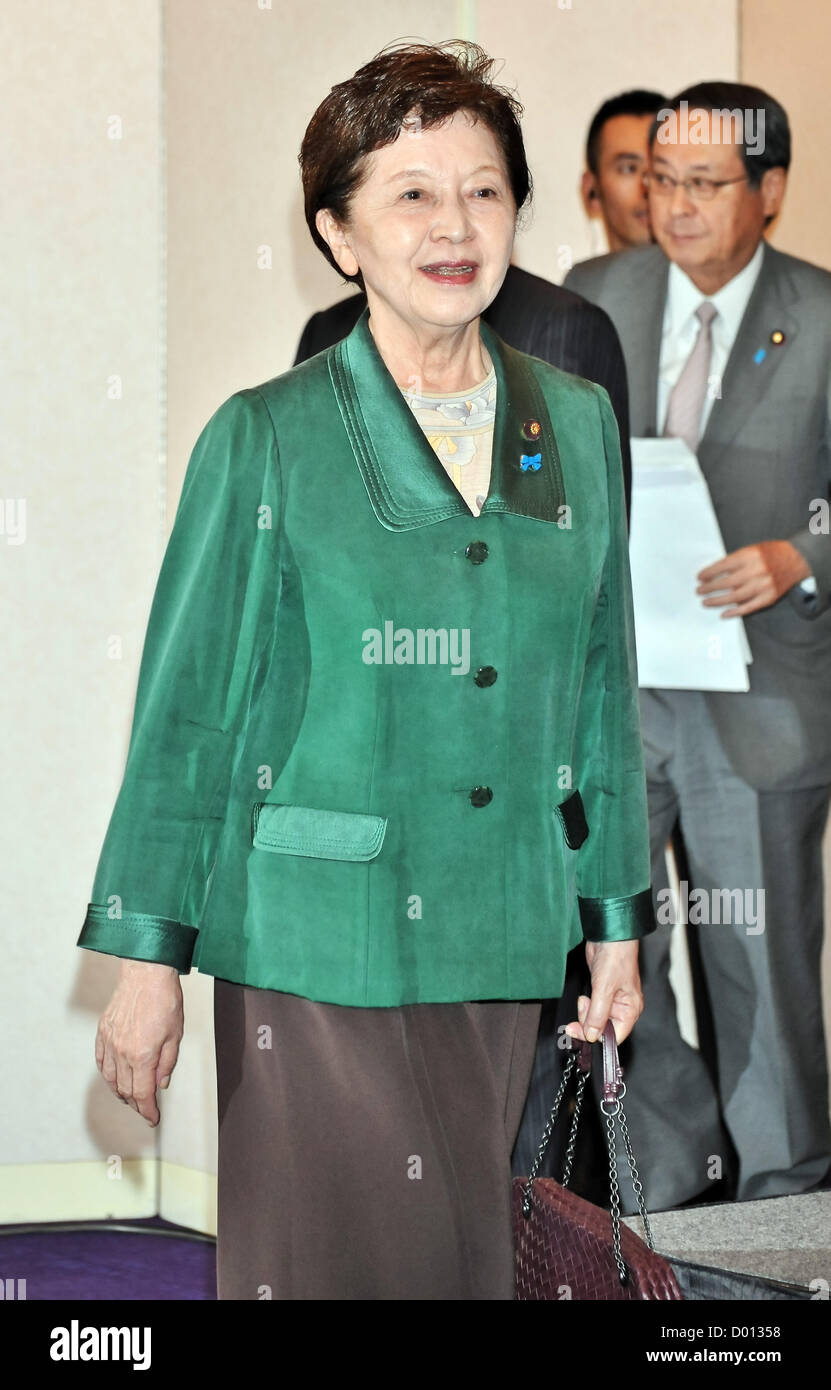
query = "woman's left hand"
x=616 y=991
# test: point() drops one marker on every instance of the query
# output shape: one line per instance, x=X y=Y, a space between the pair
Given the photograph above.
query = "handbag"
x=566 y=1247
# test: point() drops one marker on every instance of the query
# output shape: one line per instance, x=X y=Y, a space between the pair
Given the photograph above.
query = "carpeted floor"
x=785 y=1239
x=105 y=1261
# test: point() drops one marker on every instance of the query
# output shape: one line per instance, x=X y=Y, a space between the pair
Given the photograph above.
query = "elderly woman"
x=385 y=766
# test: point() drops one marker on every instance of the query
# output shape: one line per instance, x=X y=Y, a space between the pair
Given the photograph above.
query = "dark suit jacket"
x=534 y=316
x=766 y=456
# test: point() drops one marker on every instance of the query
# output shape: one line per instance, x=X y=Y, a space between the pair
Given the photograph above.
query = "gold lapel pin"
x=777 y=337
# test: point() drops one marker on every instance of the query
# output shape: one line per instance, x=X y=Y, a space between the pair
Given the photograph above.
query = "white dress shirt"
x=681 y=327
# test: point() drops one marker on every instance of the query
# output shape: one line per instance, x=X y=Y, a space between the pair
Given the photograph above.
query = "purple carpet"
x=98 y=1261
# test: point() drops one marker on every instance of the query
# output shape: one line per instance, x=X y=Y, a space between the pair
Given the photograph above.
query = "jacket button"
x=486 y=675
x=480 y=796
x=476 y=552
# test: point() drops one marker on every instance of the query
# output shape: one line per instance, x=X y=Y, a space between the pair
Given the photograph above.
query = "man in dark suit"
x=728 y=345
x=533 y=316
x=562 y=328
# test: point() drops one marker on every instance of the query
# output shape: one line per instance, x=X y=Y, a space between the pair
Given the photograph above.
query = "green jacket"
x=384 y=751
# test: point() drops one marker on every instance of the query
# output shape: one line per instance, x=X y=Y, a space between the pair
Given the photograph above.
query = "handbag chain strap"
x=612 y=1116
x=546 y=1135
x=614 y=1091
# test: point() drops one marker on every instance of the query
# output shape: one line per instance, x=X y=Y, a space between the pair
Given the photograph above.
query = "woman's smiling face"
x=431 y=228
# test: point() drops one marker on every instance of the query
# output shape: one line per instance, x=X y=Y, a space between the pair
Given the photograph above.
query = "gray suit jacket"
x=766 y=456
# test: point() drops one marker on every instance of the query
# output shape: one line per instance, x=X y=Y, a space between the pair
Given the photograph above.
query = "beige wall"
x=565 y=61
x=88 y=302
x=785 y=49
x=80 y=341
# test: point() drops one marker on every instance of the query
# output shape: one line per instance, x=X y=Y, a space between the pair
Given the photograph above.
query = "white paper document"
x=674 y=533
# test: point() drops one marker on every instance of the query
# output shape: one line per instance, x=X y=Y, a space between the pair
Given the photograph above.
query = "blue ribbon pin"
x=530 y=461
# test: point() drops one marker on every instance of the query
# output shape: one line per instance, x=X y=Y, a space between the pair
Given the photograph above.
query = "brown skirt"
x=364 y=1153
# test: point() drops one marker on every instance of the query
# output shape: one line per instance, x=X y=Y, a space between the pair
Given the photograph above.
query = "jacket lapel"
x=645 y=302
x=746 y=380
x=404 y=479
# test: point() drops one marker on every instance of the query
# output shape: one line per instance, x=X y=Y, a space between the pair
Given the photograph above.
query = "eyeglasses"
x=697 y=188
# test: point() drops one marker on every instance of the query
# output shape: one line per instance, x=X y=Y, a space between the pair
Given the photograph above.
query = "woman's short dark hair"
x=431 y=81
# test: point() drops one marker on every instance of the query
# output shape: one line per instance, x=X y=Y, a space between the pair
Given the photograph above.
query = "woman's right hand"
x=616 y=991
x=138 y=1036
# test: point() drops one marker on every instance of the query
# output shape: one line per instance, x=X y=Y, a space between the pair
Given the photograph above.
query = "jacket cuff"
x=816 y=551
x=617 y=919
x=139 y=936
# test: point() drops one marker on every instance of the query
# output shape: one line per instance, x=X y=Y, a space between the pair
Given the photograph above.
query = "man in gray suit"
x=728 y=345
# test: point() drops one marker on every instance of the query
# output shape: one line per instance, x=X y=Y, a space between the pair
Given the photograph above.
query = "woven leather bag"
x=567 y=1247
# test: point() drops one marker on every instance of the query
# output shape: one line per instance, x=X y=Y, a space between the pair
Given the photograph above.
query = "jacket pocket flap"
x=573 y=819
x=317 y=834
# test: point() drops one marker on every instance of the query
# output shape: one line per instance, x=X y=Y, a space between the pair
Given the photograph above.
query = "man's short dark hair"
x=775 y=152
x=636 y=103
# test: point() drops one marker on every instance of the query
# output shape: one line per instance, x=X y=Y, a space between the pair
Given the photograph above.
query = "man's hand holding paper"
x=753 y=577
x=681 y=643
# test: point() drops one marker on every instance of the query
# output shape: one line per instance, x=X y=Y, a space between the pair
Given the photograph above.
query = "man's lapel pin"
x=777 y=337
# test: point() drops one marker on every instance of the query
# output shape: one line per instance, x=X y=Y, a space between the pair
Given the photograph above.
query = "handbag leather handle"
x=613 y=1087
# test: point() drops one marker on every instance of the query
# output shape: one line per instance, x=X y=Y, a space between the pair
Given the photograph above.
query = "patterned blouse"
x=459 y=426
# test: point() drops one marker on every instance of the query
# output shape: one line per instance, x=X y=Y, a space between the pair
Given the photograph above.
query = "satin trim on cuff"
x=139 y=936
x=617 y=919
